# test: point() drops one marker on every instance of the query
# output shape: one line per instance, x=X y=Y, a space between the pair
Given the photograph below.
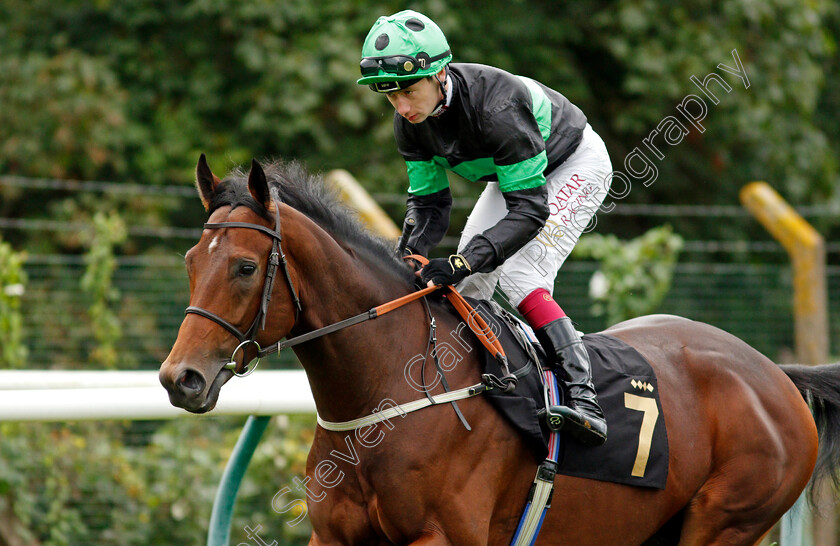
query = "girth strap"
x=542 y=488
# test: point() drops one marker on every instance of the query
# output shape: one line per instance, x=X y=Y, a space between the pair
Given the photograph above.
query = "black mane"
x=307 y=193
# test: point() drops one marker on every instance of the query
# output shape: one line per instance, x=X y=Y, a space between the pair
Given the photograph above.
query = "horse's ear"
x=258 y=185
x=205 y=181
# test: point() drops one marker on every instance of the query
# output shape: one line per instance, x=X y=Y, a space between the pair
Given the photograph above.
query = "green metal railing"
x=222 y=514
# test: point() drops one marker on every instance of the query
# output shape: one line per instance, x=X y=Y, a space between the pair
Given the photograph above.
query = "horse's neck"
x=353 y=370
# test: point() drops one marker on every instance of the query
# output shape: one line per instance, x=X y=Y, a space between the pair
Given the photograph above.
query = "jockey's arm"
x=526 y=216
x=426 y=221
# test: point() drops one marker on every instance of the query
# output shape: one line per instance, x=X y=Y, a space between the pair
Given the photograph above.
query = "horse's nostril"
x=191 y=382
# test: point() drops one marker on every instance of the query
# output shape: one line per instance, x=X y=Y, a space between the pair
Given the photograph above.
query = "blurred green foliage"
x=146 y=482
x=97 y=282
x=12 y=285
x=135 y=90
x=633 y=276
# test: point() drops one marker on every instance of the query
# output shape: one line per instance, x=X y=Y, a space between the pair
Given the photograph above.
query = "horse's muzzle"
x=188 y=387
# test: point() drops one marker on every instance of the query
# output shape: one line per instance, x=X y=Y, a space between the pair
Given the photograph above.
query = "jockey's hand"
x=445 y=271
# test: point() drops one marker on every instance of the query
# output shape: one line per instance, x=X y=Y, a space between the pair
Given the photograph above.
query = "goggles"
x=395 y=85
x=401 y=65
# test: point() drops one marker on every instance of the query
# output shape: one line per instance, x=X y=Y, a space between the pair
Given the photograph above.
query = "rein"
x=373 y=313
x=542 y=488
x=277 y=258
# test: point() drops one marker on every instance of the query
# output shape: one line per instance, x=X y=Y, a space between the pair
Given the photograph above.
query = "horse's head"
x=231 y=270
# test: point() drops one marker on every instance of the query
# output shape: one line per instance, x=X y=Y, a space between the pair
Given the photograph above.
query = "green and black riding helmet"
x=400 y=50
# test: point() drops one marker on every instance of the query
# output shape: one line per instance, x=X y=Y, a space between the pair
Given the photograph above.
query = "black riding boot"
x=584 y=419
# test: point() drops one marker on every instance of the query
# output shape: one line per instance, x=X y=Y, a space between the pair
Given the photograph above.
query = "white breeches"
x=575 y=191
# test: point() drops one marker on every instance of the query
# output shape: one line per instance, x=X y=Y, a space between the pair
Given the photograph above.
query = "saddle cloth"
x=636 y=450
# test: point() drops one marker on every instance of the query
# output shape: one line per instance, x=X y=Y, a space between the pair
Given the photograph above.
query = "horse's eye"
x=246 y=270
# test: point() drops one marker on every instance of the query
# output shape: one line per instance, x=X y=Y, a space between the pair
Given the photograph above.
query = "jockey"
x=546 y=173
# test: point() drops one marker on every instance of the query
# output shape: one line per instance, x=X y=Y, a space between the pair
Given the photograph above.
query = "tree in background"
x=97 y=282
x=134 y=90
x=12 y=285
x=102 y=483
x=634 y=276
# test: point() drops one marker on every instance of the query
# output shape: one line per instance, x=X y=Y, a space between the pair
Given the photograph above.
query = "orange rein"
x=476 y=323
x=399 y=302
x=470 y=315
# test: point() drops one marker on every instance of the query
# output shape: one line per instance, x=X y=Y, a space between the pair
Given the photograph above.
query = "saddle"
x=636 y=451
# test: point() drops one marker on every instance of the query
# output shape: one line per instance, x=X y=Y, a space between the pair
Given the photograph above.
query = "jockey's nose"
x=402 y=105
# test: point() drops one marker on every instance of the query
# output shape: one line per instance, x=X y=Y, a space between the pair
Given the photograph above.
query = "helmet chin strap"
x=446 y=89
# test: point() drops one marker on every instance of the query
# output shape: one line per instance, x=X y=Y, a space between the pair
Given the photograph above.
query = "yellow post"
x=369 y=211
x=807 y=251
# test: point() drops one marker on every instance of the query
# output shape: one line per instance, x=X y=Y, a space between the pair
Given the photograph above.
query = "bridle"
x=276 y=259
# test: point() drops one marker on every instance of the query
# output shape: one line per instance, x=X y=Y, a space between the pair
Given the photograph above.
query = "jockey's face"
x=416 y=102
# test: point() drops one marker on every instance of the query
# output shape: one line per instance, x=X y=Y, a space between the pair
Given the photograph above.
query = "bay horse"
x=280 y=257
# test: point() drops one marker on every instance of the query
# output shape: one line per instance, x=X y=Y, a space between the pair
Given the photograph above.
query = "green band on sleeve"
x=426 y=177
x=524 y=175
x=541 y=106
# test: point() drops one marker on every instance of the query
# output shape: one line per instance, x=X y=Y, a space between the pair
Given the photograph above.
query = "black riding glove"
x=446 y=271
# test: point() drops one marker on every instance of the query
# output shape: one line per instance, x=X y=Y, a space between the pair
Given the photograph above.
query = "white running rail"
x=29 y=395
